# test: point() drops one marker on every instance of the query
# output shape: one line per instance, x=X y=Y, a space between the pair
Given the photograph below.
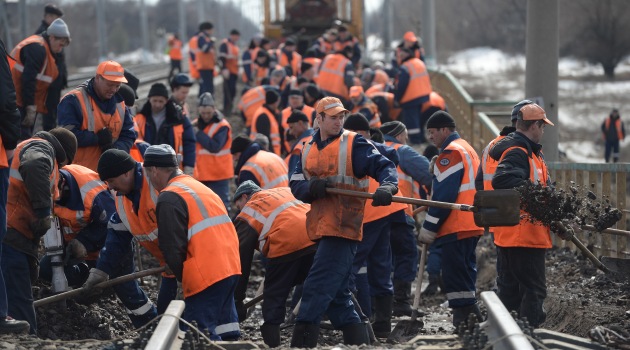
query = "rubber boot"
x=355 y=334
x=402 y=295
x=460 y=314
x=432 y=288
x=382 y=325
x=271 y=334
x=305 y=335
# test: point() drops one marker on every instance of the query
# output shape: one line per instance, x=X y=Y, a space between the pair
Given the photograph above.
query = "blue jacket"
x=93 y=235
x=215 y=143
x=69 y=113
x=293 y=158
x=366 y=161
x=413 y=163
x=118 y=241
x=244 y=175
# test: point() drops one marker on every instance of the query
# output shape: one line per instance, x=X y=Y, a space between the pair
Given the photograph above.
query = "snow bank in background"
x=483 y=60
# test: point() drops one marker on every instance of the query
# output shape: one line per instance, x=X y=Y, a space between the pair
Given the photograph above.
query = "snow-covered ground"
x=585 y=98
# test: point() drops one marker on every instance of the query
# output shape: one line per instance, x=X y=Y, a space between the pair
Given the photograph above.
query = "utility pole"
x=102 y=30
x=428 y=32
x=201 y=11
x=541 y=67
x=8 y=41
x=144 y=28
x=23 y=19
x=388 y=28
x=181 y=14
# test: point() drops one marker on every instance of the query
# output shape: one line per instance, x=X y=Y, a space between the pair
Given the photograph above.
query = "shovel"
x=490 y=208
x=619 y=266
x=406 y=330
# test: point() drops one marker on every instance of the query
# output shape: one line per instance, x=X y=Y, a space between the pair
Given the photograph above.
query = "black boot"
x=460 y=314
x=10 y=325
x=402 y=295
x=271 y=334
x=305 y=335
x=355 y=334
x=434 y=283
x=382 y=325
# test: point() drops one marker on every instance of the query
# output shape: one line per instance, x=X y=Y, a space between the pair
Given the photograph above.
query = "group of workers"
x=162 y=176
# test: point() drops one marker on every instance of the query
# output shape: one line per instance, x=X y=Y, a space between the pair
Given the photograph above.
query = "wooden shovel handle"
x=406 y=200
x=612 y=231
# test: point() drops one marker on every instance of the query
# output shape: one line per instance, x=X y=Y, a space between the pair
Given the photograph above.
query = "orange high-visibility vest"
x=44 y=78
x=372 y=213
x=435 y=100
x=268 y=168
x=283 y=60
x=488 y=164
x=231 y=58
x=526 y=234
x=250 y=63
x=213 y=249
x=20 y=212
x=260 y=73
x=332 y=73
x=73 y=221
x=175 y=49
x=274 y=129
x=419 y=81
x=250 y=101
x=315 y=62
x=205 y=60
x=4 y=162
x=335 y=215
x=286 y=113
x=375 y=120
x=620 y=135
x=297 y=148
x=407 y=186
x=94 y=119
x=280 y=221
x=340 y=45
x=380 y=77
x=214 y=166
x=193 y=50
x=140 y=124
x=394 y=112
x=460 y=222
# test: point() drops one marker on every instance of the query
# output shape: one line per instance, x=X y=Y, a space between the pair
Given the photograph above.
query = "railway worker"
x=139 y=145
x=433 y=104
x=336 y=75
x=51 y=13
x=274 y=223
x=32 y=190
x=251 y=100
x=248 y=58
x=375 y=77
x=362 y=104
x=346 y=39
x=195 y=231
x=371 y=270
x=412 y=43
x=338 y=158
x=453 y=230
x=9 y=136
x=228 y=54
x=614 y=132
x=193 y=49
x=266 y=122
x=213 y=165
x=310 y=66
x=287 y=58
x=103 y=124
x=180 y=88
x=300 y=131
x=205 y=57
x=34 y=71
x=312 y=95
x=161 y=121
x=388 y=109
x=412 y=90
x=175 y=54
x=323 y=46
x=413 y=172
x=135 y=217
x=260 y=69
x=83 y=208
x=296 y=103
x=521 y=249
x=265 y=169
x=483 y=180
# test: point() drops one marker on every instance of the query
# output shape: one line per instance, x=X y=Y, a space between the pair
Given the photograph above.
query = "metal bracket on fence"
x=503 y=332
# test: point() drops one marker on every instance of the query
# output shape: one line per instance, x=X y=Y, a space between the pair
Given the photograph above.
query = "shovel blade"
x=497 y=208
x=405 y=330
x=618 y=266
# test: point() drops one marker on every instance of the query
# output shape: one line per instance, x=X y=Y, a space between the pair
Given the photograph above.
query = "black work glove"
x=105 y=139
x=40 y=226
x=241 y=311
x=383 y=195
x=317 y=188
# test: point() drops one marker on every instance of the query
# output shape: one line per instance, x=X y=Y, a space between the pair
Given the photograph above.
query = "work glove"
x=96 y=276
x=426 y=236
x=105 y=139
x=563 y=231
x=383 y=195
x=29 y=116
x=241 y=311
x=180 y=291
x=188 y=170
x=76 y=249
x=39 y=227
x=317 y=188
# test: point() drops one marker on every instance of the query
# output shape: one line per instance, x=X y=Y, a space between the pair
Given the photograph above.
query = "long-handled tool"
x=619 y=266
x=405 y=330
x=490 y=208
x=109 y=283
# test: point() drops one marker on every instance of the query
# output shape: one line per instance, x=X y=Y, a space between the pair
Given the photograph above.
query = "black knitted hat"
x=356 y=122
x=297 y=116
x=67 y=140
x=440 y=119
x=128 y=95
x=271 y=96
x=240 y=143
x=158 y=89
x=161 y=156
x=393 y=128
x=113 y=163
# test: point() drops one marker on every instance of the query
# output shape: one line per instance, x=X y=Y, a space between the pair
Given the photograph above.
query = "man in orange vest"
x=614 y=132
x=324 y=44
x=97 y=115
x=199 y=244
x=175 y=54
x=521 y=249
x=32 y=191
x=286 y=57
x=412 y=90
x=229 y=54
x=296 y=103
x=213 y=163
x=336 y=74
x=34 y=70
x=301 y=132
x=362 y=104
x=266 y=122
x=83 y=208
x=280 y=235
x=453 y=230
x=265 y=169
x=205 y=57
x=9 y=134
x=336 y=158
x=346 y=39
x=412 y=43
